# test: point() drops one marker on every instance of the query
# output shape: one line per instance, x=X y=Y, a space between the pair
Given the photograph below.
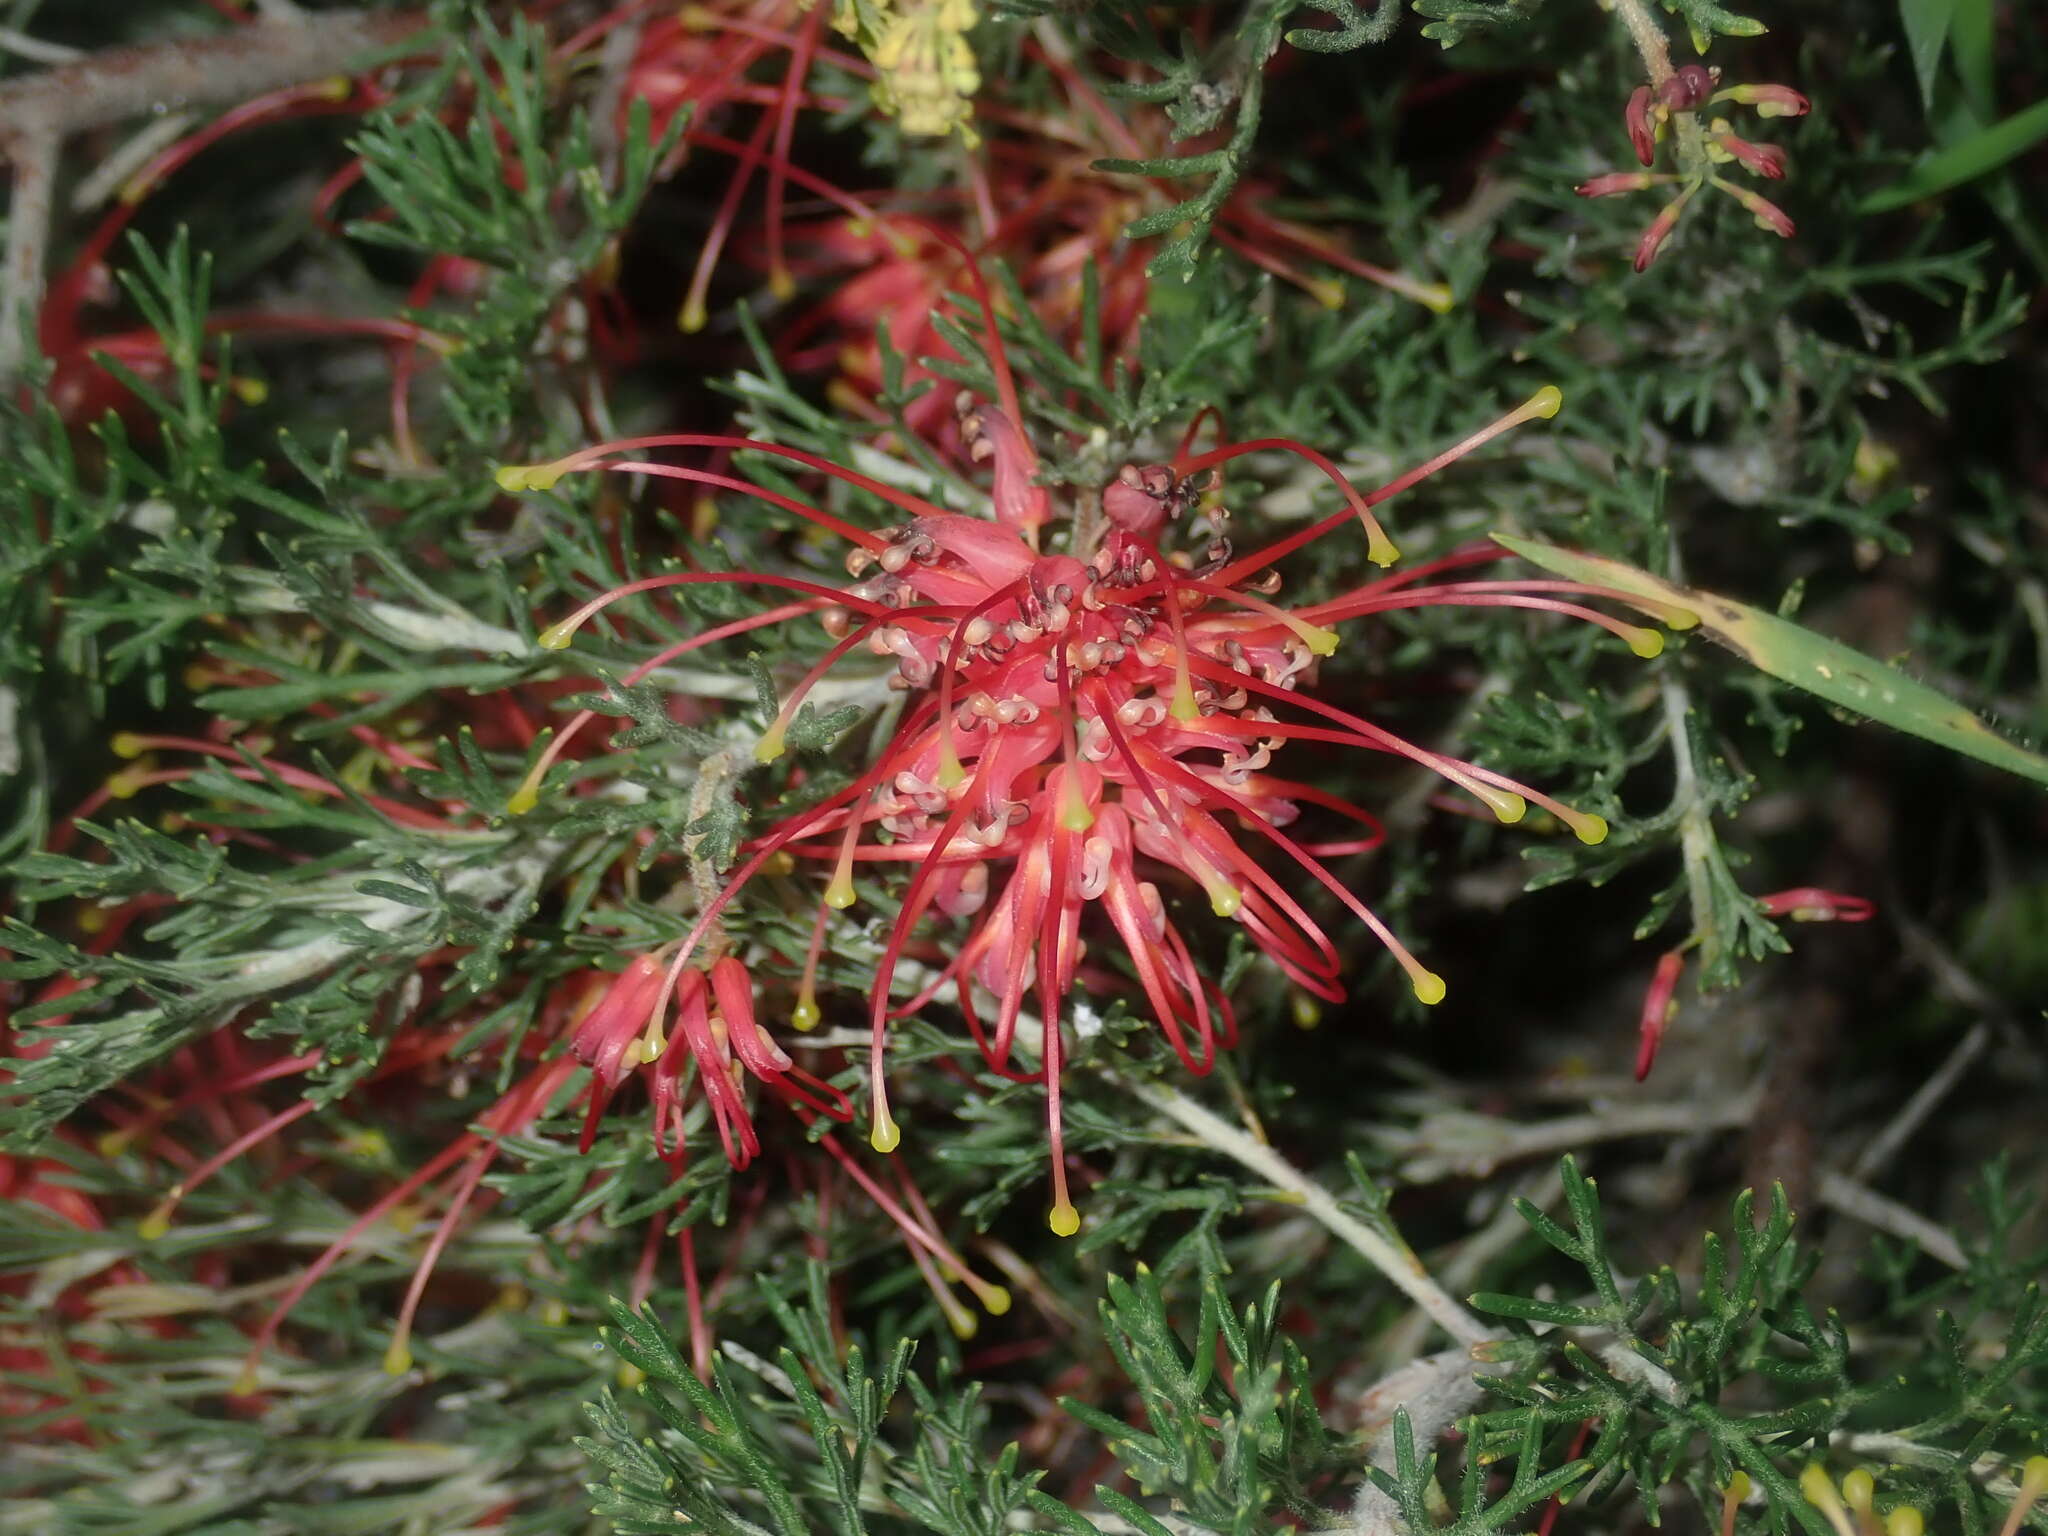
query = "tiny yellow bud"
x=397 y=1359
x=1064 y=1220
x=1646 y=643
x=554 y=1313
x=1429 y=988
x=249 y=391
x=1589 y=829
x=127 y=784
x=1507 y=806
x=1308 y=1013
x=1435 y=296
x=158 y=1222
x=886 y=1136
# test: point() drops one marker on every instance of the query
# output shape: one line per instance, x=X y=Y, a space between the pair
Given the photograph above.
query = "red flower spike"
x=1089 y=727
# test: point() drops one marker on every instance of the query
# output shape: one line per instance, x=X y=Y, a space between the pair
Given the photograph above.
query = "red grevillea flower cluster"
x=1703 y=144
x=1096 y=696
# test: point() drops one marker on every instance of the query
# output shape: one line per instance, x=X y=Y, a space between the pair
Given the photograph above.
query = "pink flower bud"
x=1658 y=232
x=1615 y=182
x=1687 y=88
x=1765 y=159
x=1768 y=215
x=1660 y=1002
x=1769 y=100
x=1809 y=904
x=1641 y=132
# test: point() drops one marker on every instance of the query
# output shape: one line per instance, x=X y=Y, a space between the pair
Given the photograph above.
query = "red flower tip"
x=1660 y=1006
x=1809 y=904
x=1766 y=160
x=1615 y=182
x=1642 y=132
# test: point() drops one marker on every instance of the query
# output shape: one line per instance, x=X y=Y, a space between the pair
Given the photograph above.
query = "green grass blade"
x=1965 y=160
x=1794 y=654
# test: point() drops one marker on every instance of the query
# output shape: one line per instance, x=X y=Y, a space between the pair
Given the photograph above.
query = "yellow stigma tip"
x=1076 y=817
x=1429 y=988
x=1646 y=643
x=1818 y=1487
x=125 y=785
x=1224 y=900
x=839 y=895
x=804 y=1016
x=1436 y=296
x=630 y=1376
x=511 y=478
x=1064 y=1220
x=1904 y=1521
x=769 y=747
x=996 y=1300
x=128 y=744
x=781 y=284
x=692 y=318
x=1546 y=402
x=1308 y=1013
x=524 y=799
x=963 y=1323
x=1859 y=1488
x=1380 y=550
x=246 y=1384
x=1508 y=807
x=1327 y=291
x=153 y=1226
x=250 y=391
x=113 y=1143
x=1738 y=1486
x=1590 y=829
x=1321 y=641
x=555 y=637
x=397 y=1359
x=887 y=1136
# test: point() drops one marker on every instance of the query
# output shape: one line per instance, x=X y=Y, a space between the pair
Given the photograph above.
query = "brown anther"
x=858 y=561
x=835 y=621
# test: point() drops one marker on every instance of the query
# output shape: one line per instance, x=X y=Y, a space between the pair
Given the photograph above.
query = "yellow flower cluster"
x=925 y=69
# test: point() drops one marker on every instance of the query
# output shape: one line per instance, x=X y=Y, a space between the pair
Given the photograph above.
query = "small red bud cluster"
x=1688 y=93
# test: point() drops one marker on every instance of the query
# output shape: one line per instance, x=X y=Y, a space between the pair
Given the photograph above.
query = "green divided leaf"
x=1796 y=655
